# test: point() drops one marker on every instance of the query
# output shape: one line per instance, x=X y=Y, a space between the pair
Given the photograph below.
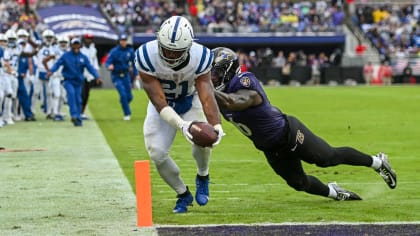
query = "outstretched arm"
x=238 y=101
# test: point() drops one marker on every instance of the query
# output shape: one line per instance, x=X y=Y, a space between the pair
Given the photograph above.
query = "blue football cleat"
x=58 y=118
x=183 y=202
x=202 y=191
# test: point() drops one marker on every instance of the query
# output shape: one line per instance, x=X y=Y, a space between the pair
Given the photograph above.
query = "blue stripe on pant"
x=24 y=99
x=123 y=86
x=44 y=83
x=74 y=98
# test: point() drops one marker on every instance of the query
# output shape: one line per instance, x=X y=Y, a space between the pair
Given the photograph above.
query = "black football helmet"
x=225 y=66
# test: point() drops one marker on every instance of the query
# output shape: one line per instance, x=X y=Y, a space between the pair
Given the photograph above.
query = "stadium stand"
x=361 y=30
x=392 y=30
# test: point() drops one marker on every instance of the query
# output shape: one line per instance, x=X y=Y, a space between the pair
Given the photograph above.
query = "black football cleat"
x=32 y=118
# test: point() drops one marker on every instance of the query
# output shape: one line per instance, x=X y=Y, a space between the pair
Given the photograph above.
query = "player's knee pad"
x=158 y=155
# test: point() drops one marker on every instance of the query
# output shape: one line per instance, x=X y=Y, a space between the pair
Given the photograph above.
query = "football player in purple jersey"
x=284 y=139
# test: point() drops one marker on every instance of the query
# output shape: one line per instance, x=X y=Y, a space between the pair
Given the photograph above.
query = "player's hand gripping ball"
x=203 y=134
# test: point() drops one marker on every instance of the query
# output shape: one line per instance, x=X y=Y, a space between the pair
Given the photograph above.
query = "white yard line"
x=296 y=223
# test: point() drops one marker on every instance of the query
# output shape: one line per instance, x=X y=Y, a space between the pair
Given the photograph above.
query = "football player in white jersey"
x=10 y=64
x=3 y=44
x=41 y=88
x=24 y=35
x=175 y=73
x=57 y=93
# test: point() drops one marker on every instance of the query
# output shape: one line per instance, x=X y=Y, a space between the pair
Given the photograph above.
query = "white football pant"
x=10 y=103
x=159 y=136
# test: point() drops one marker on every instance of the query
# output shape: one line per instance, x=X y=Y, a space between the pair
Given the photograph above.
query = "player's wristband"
x=169 y=115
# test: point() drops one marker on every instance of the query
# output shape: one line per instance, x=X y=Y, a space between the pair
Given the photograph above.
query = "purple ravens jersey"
x=264 y=124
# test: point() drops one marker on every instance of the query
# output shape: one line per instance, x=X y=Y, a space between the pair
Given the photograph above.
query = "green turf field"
x=244 y=189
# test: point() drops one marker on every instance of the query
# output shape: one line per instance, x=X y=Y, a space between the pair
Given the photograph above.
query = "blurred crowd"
x=269 y=16
x=283 y=63
x=13 y=15
x=279 y=59
x=392 y=28
x=143 y=15
x=229 y=16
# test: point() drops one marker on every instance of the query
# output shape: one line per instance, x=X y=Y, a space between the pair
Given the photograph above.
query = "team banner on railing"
x=77 y=20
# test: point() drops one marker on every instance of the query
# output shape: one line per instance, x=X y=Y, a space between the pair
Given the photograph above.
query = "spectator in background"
x=219 y=26
x=278 y=61
x=266 y=57
x=368 y=73
x=287 y=68
x=337 y=16
x=336 y=56
x=323 y=64
x=301 y=59
x=401 y=53
x=385 y=71
x=243 y=61
x=407 y=74
x=121 y=21
x=253 y=59
x=314 y=63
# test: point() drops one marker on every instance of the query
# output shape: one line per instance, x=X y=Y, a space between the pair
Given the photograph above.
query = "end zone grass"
x=244 y=189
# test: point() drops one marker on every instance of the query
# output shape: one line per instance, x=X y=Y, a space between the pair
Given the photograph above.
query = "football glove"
x=220 y=134
x=185 y=131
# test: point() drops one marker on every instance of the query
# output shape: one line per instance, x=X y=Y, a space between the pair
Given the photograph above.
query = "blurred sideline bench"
x=303 y=74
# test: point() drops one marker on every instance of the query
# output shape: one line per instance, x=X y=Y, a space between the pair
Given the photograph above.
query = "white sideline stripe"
x=295 y=224
x=278 y=184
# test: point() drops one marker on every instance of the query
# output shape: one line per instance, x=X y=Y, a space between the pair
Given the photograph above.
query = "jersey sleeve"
x=206 y=58
x=244 y=81
x=110 y=58
x=142 y=60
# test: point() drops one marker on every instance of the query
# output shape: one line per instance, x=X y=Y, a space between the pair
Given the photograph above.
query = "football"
x=204 y=135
